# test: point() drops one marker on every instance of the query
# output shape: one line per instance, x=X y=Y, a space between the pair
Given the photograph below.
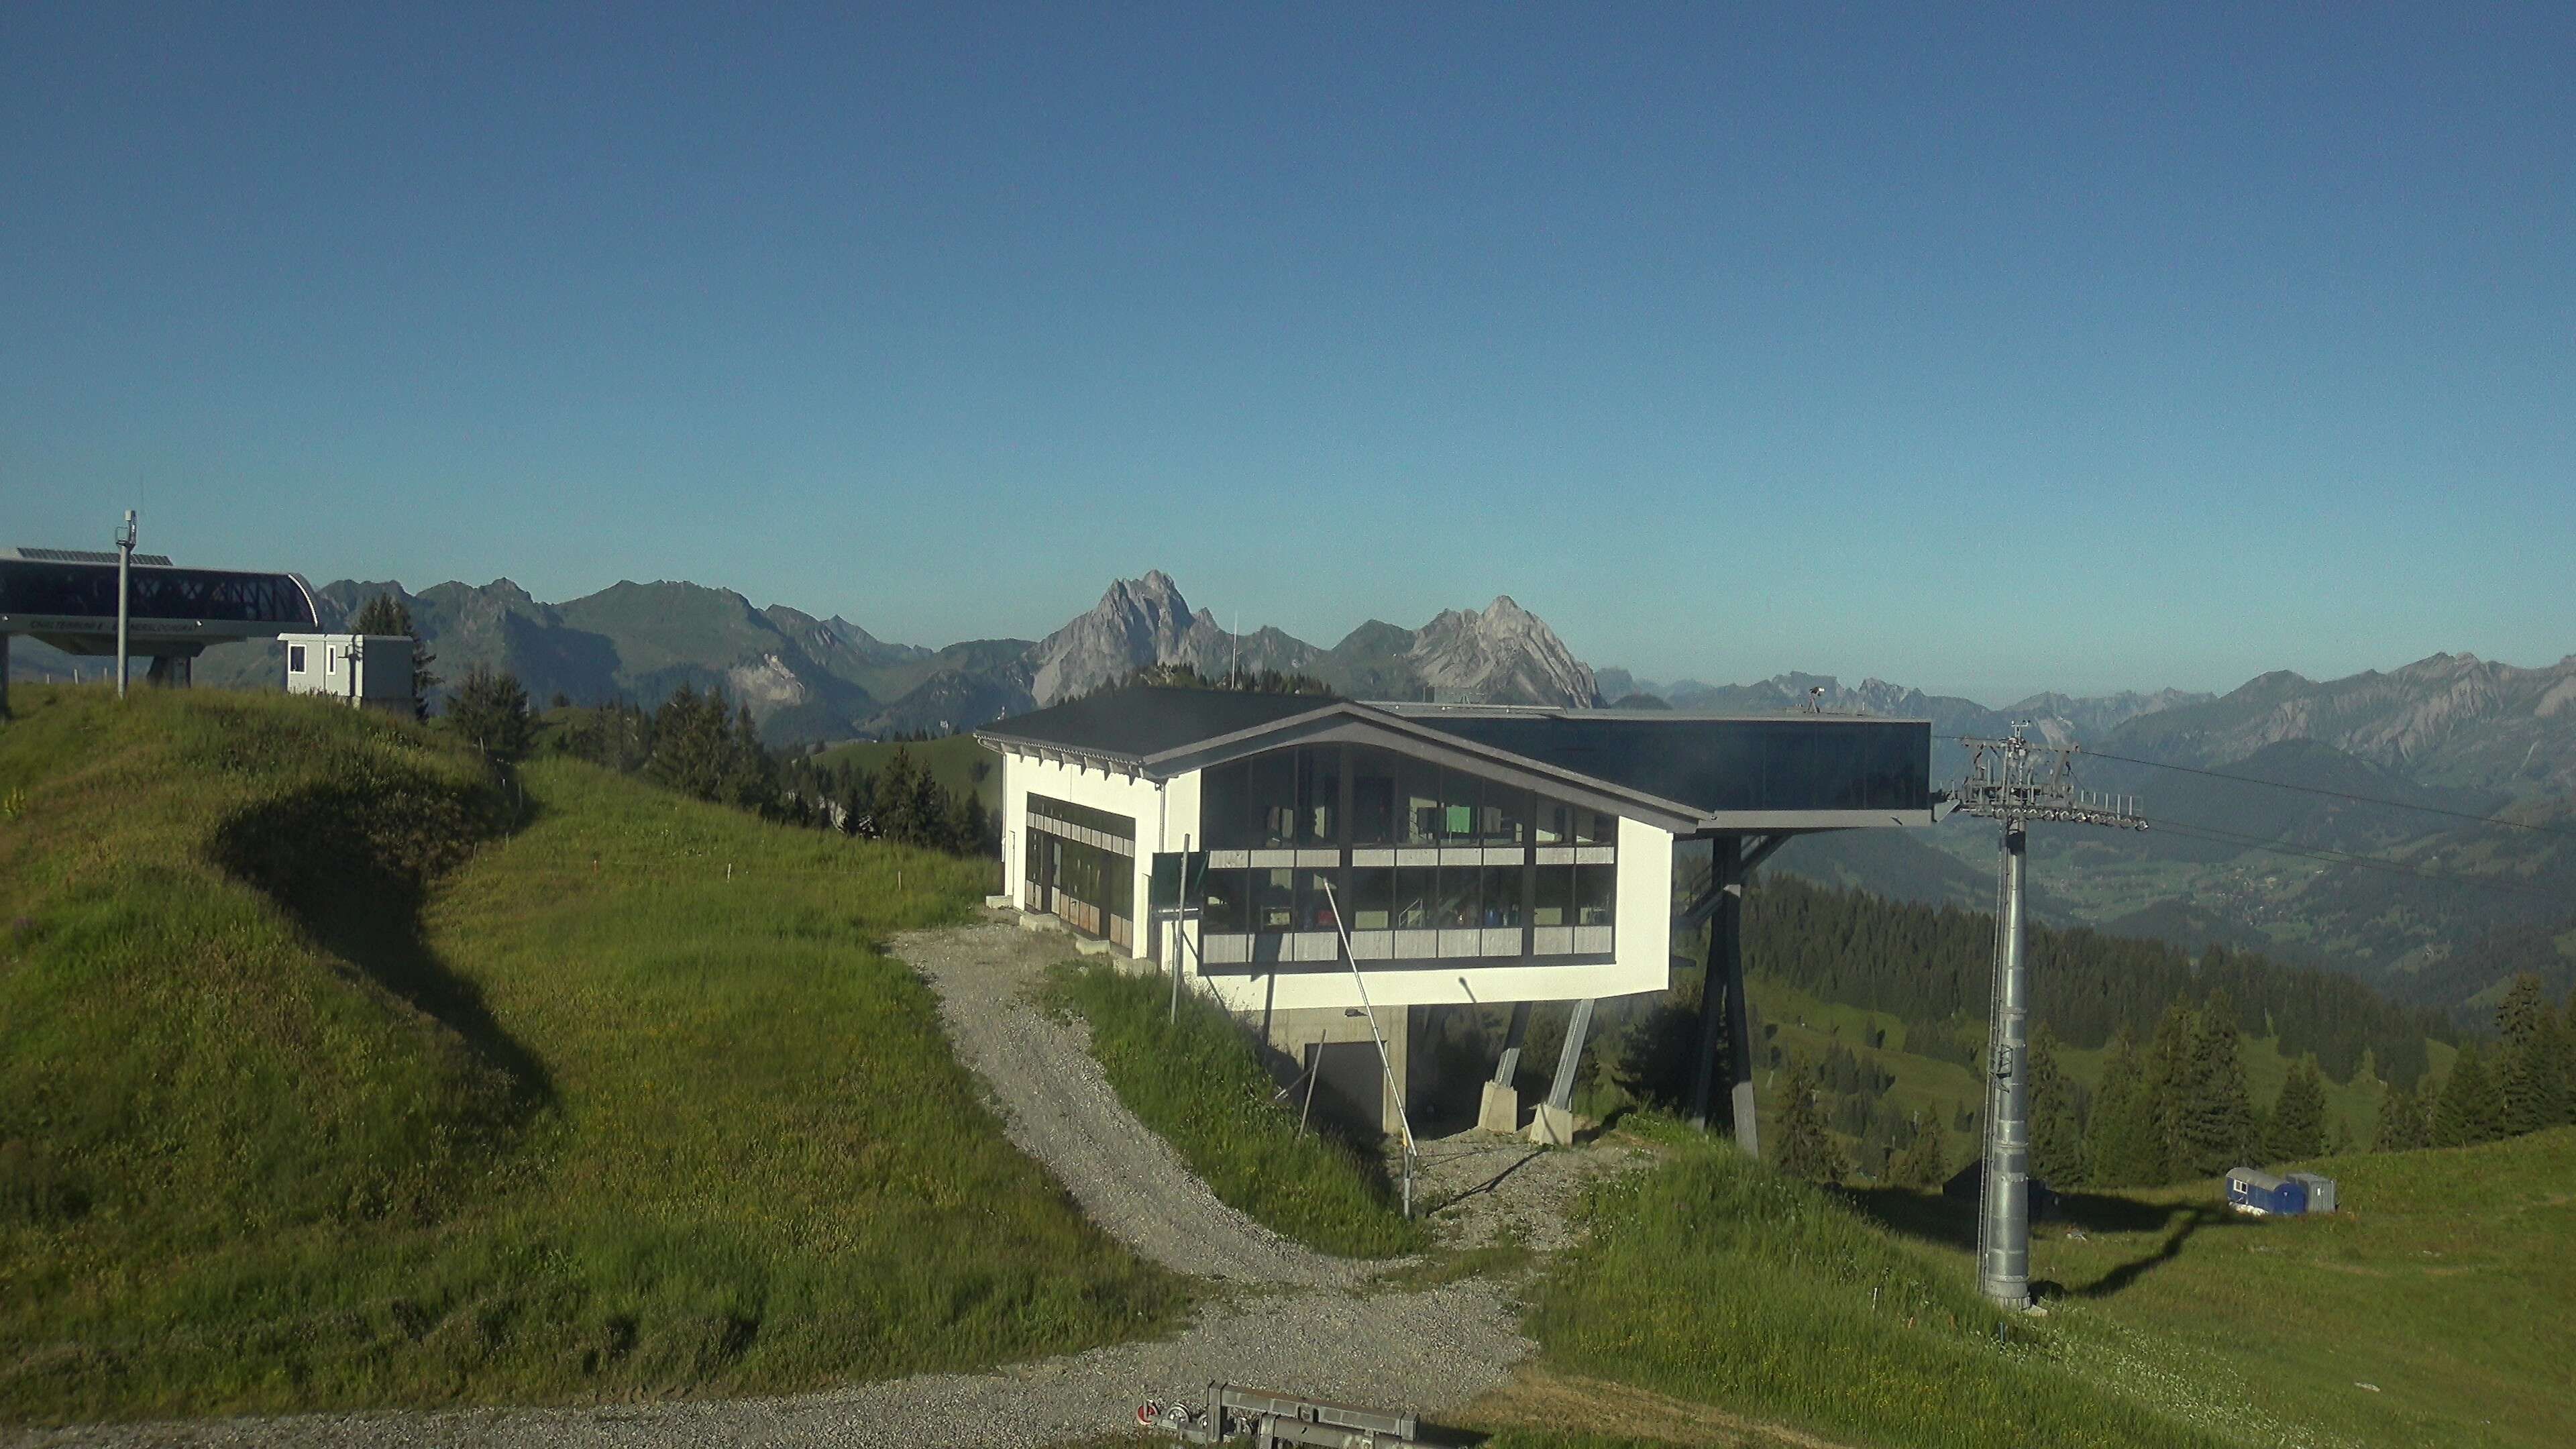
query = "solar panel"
x=89 y=555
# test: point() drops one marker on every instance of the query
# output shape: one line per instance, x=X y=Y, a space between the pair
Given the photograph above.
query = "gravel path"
x=1059 y=1108
x=1293 y=1319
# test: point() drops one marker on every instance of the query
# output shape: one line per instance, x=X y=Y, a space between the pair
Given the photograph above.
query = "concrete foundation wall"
x=1288 y=1033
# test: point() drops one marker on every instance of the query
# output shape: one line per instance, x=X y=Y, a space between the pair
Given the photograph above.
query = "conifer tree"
x=385 y=614
x=1806 y=1149
x=2056 y=1136
x=2126 y=1147
x=1924 y=1164
x=2471 y=1108
x=2164 y=1076
x=2529 y=1059
x=491 y=712
x=2298 y=1125
x=2214 y=1115
x=2401 y=1122
x=898 y=799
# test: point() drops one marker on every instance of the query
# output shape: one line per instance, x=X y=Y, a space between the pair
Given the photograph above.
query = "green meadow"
x=342 y=1073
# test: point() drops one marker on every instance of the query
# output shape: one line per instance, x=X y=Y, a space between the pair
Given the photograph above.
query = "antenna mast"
x=2016 y=781
x=124 y=593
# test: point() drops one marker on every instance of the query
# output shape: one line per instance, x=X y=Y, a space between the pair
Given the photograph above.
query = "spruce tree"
x=1806 y=1149
x=2401 y=1122
x=2126 y=1145
x=2529 y=1059
x=2164 y=1078
x=2298 y=1125
x=2471 y=1108
x=490 y=712
x=2056 y=1137
x=2214 y=1115
x=1924 y=1164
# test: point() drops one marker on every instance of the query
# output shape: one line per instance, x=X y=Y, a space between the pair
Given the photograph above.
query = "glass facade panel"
x=1315 y=904
x=1319 y=796
x=1225 y=904
x=1420 y=780
x=1372 y=898
x=1460 y=793
x=1415 y=887
x=1456 y=907
x=1338 y=798
x=1373 y=799
x=1274 y=798
x=1225 y=806
x=1596 y=894
x=1552 y=895
x=1502 y=895
x=1274 y=901
x=1554 y=822
x=28 y=586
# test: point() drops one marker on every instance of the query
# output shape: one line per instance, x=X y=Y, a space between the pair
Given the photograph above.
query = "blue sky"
x=1988 y=351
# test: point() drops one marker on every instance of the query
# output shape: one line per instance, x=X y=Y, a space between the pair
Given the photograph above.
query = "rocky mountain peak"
x=1136 y=623
x=1503 y=654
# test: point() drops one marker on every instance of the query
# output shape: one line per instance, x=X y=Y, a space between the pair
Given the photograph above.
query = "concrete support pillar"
x=1509 y=1065
x=4 y=676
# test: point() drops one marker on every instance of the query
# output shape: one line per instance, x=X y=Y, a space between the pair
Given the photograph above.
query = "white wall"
x=1139 y=799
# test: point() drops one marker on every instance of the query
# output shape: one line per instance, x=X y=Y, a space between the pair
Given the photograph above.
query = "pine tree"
x=2214 y=1121
x=1924 y=1164
x=490 y=711
x=1805 y=1148
x=2471 y=1108
x=2529 y=1059
x=2401 y=1122
x=2126 y=1147
x=2297 y=1128
x=2056 y=1137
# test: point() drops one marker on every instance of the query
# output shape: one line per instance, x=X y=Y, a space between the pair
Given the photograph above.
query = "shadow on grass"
x=352 y=866
x=1952 y=1223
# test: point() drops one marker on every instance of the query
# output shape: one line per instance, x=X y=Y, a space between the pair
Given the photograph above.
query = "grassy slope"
x=1200 y=1084
x=954 y=762
x=2442 y=1288
x=675 y=1126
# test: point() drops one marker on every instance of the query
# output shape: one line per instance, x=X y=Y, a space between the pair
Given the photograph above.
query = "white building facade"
x=1318 y=854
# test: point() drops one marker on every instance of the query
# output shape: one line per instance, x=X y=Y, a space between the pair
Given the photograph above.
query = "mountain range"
x=2415 y=892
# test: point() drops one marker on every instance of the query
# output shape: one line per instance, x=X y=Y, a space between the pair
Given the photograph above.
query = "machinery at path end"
x=1266 y=1418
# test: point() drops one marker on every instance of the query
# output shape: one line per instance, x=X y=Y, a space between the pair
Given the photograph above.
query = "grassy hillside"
x=336 y=1080
x=956 y=762
x=2432 y=1311
x=1199 y=1082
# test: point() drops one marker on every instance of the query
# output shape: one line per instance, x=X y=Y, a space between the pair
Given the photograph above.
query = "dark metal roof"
x=1134 y=724
x=1683 y=771
x=1714 y=763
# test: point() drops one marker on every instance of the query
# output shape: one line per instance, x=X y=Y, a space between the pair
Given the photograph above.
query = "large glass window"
x=1226 y=901
x=1225 y=806
x=1505 y=819
x=1319 y=796
x=1456 y=910
x=1372 y=903
x=1552 y=895
x=1415 y=888
x=1460 y=793
x=1555 y=822
x=1373 y=797
x=1274 y=798
x=1502 y=895
x=1596 y=894
x=1274 y=900
x=1316 y=904
x=1591 y=827
x=1421 y=785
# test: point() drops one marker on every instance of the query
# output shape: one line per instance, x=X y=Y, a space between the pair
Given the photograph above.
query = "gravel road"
x=1290 y=1318
x=1059 y=1108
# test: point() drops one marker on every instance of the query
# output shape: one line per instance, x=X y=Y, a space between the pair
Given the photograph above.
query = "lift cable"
x=2337 y=794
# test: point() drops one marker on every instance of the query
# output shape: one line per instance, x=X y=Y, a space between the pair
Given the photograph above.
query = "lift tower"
x=2016 y=781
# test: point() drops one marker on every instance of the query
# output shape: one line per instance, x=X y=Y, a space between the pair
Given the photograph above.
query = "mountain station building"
x=1317 y=856
x=67 y=598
